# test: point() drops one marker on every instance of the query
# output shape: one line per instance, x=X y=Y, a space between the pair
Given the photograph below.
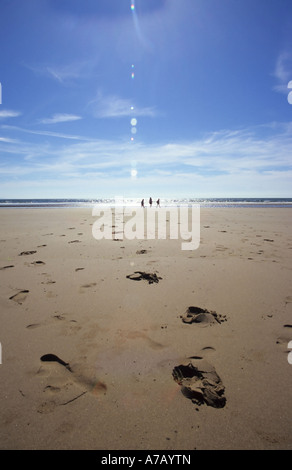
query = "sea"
x=179 y=202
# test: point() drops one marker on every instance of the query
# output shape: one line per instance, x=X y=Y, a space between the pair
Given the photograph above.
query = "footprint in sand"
x=202 y=316
x=7 y=267
x=58 y=317
x=200 y=382
x=285 y=337
x=20 y=296
x=54 y=358
x=24 y=253
x=32 y=326
x=38 y=263
x=139 y=275
x=62 y=380
x=84 y=287
x=283 y=342
x=208 y=350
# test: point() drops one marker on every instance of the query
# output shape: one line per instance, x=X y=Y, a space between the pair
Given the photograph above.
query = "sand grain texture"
x=88 y=354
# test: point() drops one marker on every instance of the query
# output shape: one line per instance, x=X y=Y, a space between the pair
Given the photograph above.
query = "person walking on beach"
x=142 y=203
x=150 y=202
x=158 y=203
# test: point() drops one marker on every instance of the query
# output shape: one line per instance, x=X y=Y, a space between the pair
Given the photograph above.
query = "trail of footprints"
x=65 y=376
x=21 y=295
x=197 y=378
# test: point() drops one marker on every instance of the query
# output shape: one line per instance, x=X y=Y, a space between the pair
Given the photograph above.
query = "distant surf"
x=167 y=202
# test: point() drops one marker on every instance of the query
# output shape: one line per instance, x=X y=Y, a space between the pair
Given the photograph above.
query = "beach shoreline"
x=90 y=341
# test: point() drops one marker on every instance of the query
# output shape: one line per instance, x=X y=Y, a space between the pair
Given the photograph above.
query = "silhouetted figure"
x=142 y=203
x=150 y=202
x=158 y=203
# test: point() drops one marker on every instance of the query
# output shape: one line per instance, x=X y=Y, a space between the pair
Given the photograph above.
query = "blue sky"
x=169 y=98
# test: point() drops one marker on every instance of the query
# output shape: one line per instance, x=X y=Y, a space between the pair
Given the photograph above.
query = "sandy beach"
x=94 y=356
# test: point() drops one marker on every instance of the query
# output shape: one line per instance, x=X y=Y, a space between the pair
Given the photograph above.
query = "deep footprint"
x=200 y=382
x=139 y=275
x=202 y=316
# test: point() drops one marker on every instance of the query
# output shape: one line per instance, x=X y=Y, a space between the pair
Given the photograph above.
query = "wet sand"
x=137 y=344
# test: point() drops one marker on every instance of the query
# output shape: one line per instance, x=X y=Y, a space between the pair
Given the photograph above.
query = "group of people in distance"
x=150 y=202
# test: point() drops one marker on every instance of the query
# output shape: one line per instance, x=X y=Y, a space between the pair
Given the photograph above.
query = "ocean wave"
x=135 y=202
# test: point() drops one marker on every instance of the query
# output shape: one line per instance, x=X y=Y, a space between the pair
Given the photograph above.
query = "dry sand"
x=88 y=353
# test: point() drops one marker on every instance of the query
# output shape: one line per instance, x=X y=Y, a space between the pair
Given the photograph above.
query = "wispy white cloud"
x=46 y=133
x=56 y=118
x=220 y=163
x=113 y=106
x=283 y=71
x=64 y=73
x=8 y=113
x=8 y=140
